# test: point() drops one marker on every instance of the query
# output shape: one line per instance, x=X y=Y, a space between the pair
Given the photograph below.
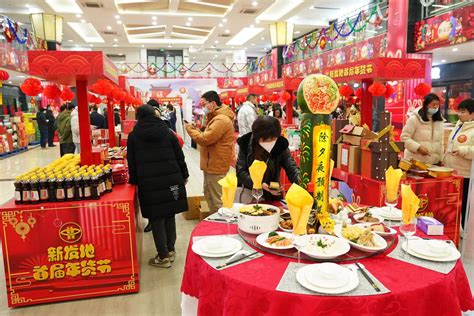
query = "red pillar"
x=122 y=110
x=289 y=108
x=366 y=103
x=84 y=122
x=111 y=123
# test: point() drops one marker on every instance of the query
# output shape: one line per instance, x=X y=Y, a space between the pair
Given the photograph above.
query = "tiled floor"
x=159 y=294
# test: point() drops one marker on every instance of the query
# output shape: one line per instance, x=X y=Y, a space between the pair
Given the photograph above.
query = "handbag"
x=243 y=195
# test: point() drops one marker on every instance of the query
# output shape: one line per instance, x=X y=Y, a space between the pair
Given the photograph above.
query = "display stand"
x=290 y=85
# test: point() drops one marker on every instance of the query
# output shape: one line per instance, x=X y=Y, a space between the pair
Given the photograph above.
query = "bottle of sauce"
x=26 y=190
x=108 y=179
x=102 y=186
x=18 y=190
x=95 y=193
x=78 y=189
x=52 y=187
x=69 y=187
x=60 y=191
x=86 y=180
x=43 y=188
x=34 y=187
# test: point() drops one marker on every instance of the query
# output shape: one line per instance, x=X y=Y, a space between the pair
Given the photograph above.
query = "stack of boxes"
x=31 y=127
x=12 y=134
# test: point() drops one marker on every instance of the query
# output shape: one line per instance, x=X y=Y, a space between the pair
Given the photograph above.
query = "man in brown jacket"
x=217 y=142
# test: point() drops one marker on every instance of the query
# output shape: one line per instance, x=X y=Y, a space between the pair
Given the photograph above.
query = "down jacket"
x=463 y=142
x=217 y=141
x=156 y=164
x=417 y=133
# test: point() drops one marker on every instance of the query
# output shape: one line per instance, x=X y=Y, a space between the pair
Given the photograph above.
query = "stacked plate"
x=388 y=213
x=433 y=250
x=216 y=246
x=328 y=278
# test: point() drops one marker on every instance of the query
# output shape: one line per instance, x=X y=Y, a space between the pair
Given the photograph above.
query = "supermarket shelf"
x=36 y=142
x=13 y=153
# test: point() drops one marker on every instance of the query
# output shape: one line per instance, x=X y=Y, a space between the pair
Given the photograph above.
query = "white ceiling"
x=453 y=54
x=224 y=26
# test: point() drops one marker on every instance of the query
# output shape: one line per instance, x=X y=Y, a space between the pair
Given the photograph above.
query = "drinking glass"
x=391 y=206
x=408 y=229
x=257 y=194
x=228 y=215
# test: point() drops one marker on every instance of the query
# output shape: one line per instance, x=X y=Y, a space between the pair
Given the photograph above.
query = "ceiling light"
x=232 y=47
x=216 y=41
x=154 y=23
x=170 y=45
x=255 y=3
x=443 y=60
x=227 y=31
x=244 y=36
x=10 y=82
x=109 y=27
x=257 y=21
x=215 y=56
x=143 y=46
x=83 y=21
x=224 y=20
x=221 y=25
x=194 y=57
x=114 y=44
x=245 y=48
x=27 y=5
x=21 y=76
x=278 y=9
x=120 y=54
x=87 y=31
x=262 y=38
x=78 y=16
x=356 y=85
x=76 y=45
x=64 y=6
x=117 y=17
x=455 y=49
x=119 y=22
x=154 y=17
x=253 y=44
x=91 y=45
x=190 y=19
x=252 y=26
x=297 y=32
x=70 y=41
x=115 y=40
x=188 y=23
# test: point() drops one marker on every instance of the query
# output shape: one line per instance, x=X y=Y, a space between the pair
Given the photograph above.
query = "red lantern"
x=118 y=95
x=358 y=93
x=346 y=91
x=52 y=92
x=67 y=95
x=103 y=87
x=422 y=89
x=264 y=98
x=274 y=98
x=377 y=89
x=285 y=95
x=4 y=75
x=31 y=87
x=389 y=91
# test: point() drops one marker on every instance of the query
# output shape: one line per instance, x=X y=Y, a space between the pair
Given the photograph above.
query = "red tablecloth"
x=250 y=288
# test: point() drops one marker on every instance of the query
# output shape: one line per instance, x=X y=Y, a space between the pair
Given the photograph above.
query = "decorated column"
x=318 y=97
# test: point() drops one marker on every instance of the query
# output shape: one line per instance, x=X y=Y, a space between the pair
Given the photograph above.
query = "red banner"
x=450 y=28
x=262 y=78
x=71 y=250
x=171 y=100
x=231 y=83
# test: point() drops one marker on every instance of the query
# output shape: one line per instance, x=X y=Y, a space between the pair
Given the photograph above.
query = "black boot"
x=147 y=228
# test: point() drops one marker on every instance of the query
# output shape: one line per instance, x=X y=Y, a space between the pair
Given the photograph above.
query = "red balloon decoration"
x=346 y=91
x=422 y=89
x=4 y=75
x=103 y=87
x=67 y=95
x=31 y=87
x=389 y=91
x=52 y=92
x=377 y=89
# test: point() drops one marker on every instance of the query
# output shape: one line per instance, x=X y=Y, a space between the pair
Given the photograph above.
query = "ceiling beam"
x=174 y=5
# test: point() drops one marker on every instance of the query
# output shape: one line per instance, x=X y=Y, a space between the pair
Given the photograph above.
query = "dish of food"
x=361 y=238
x=323 y=246
x=379 y=229
x=257 y=210
x=276 y=240
x=355 y=208
x=367 y=217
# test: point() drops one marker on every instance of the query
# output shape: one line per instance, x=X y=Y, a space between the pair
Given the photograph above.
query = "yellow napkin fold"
x=300 y=203
x=410 y=204
x=392 y=181
x=229 y=186
x=257 y=170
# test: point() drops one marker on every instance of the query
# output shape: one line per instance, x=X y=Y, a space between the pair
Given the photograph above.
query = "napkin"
x=392 y=181
x=410 y=204
x=300 y=203
x=229 y=186
x=257 y=170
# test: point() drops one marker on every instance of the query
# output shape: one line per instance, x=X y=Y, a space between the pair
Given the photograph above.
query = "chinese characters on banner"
x=321 y=166
x=359 y=70
x=73 y=261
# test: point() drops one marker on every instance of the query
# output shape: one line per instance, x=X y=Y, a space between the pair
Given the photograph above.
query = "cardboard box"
x=349 y=158
x=430 y=226
x=193 y=207
x=354 y=134
x=336 y=126
x=130 y=115
x=204 y=210
x=334 y=154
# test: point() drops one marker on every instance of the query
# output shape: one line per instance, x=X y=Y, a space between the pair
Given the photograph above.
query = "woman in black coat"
x=265 y=143
x=156 y=164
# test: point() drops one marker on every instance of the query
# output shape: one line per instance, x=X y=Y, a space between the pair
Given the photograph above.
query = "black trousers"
x=465 y=193
x=43 y=136
x=66 y=148
x=51 y=131
x=164 y=234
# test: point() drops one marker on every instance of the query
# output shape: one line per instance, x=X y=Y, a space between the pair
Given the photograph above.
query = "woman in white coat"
x=423 y=132
x=76 y=138
x=460 y=149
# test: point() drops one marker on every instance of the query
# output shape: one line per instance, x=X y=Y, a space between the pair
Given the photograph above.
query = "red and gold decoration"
x=3 y=77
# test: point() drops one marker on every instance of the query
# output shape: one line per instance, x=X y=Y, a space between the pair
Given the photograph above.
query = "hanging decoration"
x=169 y=68
x=274 y=98
x=285 y=96
x=52 y=92
x=31 y=87
x=264 y=98
x=102 y=87
x=389 y=91
x=358 y=93
x=4 y=76
x=346 y=91
x=13 y=26
x=377 y=89
x=422 y=89
x=67 y=95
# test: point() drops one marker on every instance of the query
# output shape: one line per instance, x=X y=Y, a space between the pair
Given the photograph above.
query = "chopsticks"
x=236 y=260
x=376 y=288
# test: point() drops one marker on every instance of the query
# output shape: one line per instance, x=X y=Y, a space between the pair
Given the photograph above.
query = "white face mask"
x=205 y=110
x=268 y=146
x=433 y=111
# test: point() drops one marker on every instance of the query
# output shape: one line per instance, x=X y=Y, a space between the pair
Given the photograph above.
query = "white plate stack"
x=433 y=250
x=388 y=213
x=216 y=246
x=327 y=278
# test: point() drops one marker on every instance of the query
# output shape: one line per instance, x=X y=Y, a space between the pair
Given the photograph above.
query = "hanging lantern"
x=4 y=75
x=264 y=98
x=346 y=91
x=102 y=87
x=422 y=89
x=389 y=90
x=285 y=96
x=67 y=95
x=52 y=92
x=377 y=89
x=31 y=87
x=275 y=97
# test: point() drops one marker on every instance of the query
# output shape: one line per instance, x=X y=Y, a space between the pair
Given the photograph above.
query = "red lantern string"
x=31 y=87
x=52 y=92
x=346 y=91
x=264 y=98
x=422 y=89
x=102 y=87
x=377 y=89
x=67 y=95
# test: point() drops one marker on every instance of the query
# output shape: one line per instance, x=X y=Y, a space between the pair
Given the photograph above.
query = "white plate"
x=235 y=208
x=285 y=230
x=328 y=275
x=382 y=244
x=392 y=231
x=197 y=249
x=301 y=278
x=340 y=246
x=217 y=245
x=452 y=256
x=357 y=216
x=262 y=237
x=386 y=213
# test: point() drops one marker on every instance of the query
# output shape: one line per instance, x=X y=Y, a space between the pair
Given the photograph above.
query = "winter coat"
x=156 y=164
x=76 y=137
x=246 y=116
x=97 y=119
x=217 y=141
x=116 y=118
x=278 y=158
x=64 y=127
x=172 y=119
x=417 y=133
x=51 y=120
x=464 y=143
x=42 y=120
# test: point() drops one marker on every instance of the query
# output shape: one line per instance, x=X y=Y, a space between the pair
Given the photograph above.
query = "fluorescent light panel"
x=87 y=32
x=244 y=35
x=143 y=27
x=278 y=9
x=165 y=41
x=64 y=6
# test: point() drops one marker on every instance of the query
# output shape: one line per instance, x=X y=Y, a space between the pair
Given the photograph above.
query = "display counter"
x=71 y=250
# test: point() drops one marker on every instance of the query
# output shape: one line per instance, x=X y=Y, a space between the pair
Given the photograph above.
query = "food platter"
x=351 y=232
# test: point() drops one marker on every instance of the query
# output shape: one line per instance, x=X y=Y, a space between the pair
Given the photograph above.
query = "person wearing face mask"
x=265 y=143
x=423 y=132
x=217 y=142
x=460 y=149
x=247 y=115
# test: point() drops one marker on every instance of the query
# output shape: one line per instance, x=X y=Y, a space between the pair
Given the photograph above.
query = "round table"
x=250 y=288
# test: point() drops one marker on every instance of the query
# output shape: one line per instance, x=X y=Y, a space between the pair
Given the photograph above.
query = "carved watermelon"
x=318 y=94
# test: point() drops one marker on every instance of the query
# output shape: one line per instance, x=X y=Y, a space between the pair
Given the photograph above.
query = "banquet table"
x=250 y=288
